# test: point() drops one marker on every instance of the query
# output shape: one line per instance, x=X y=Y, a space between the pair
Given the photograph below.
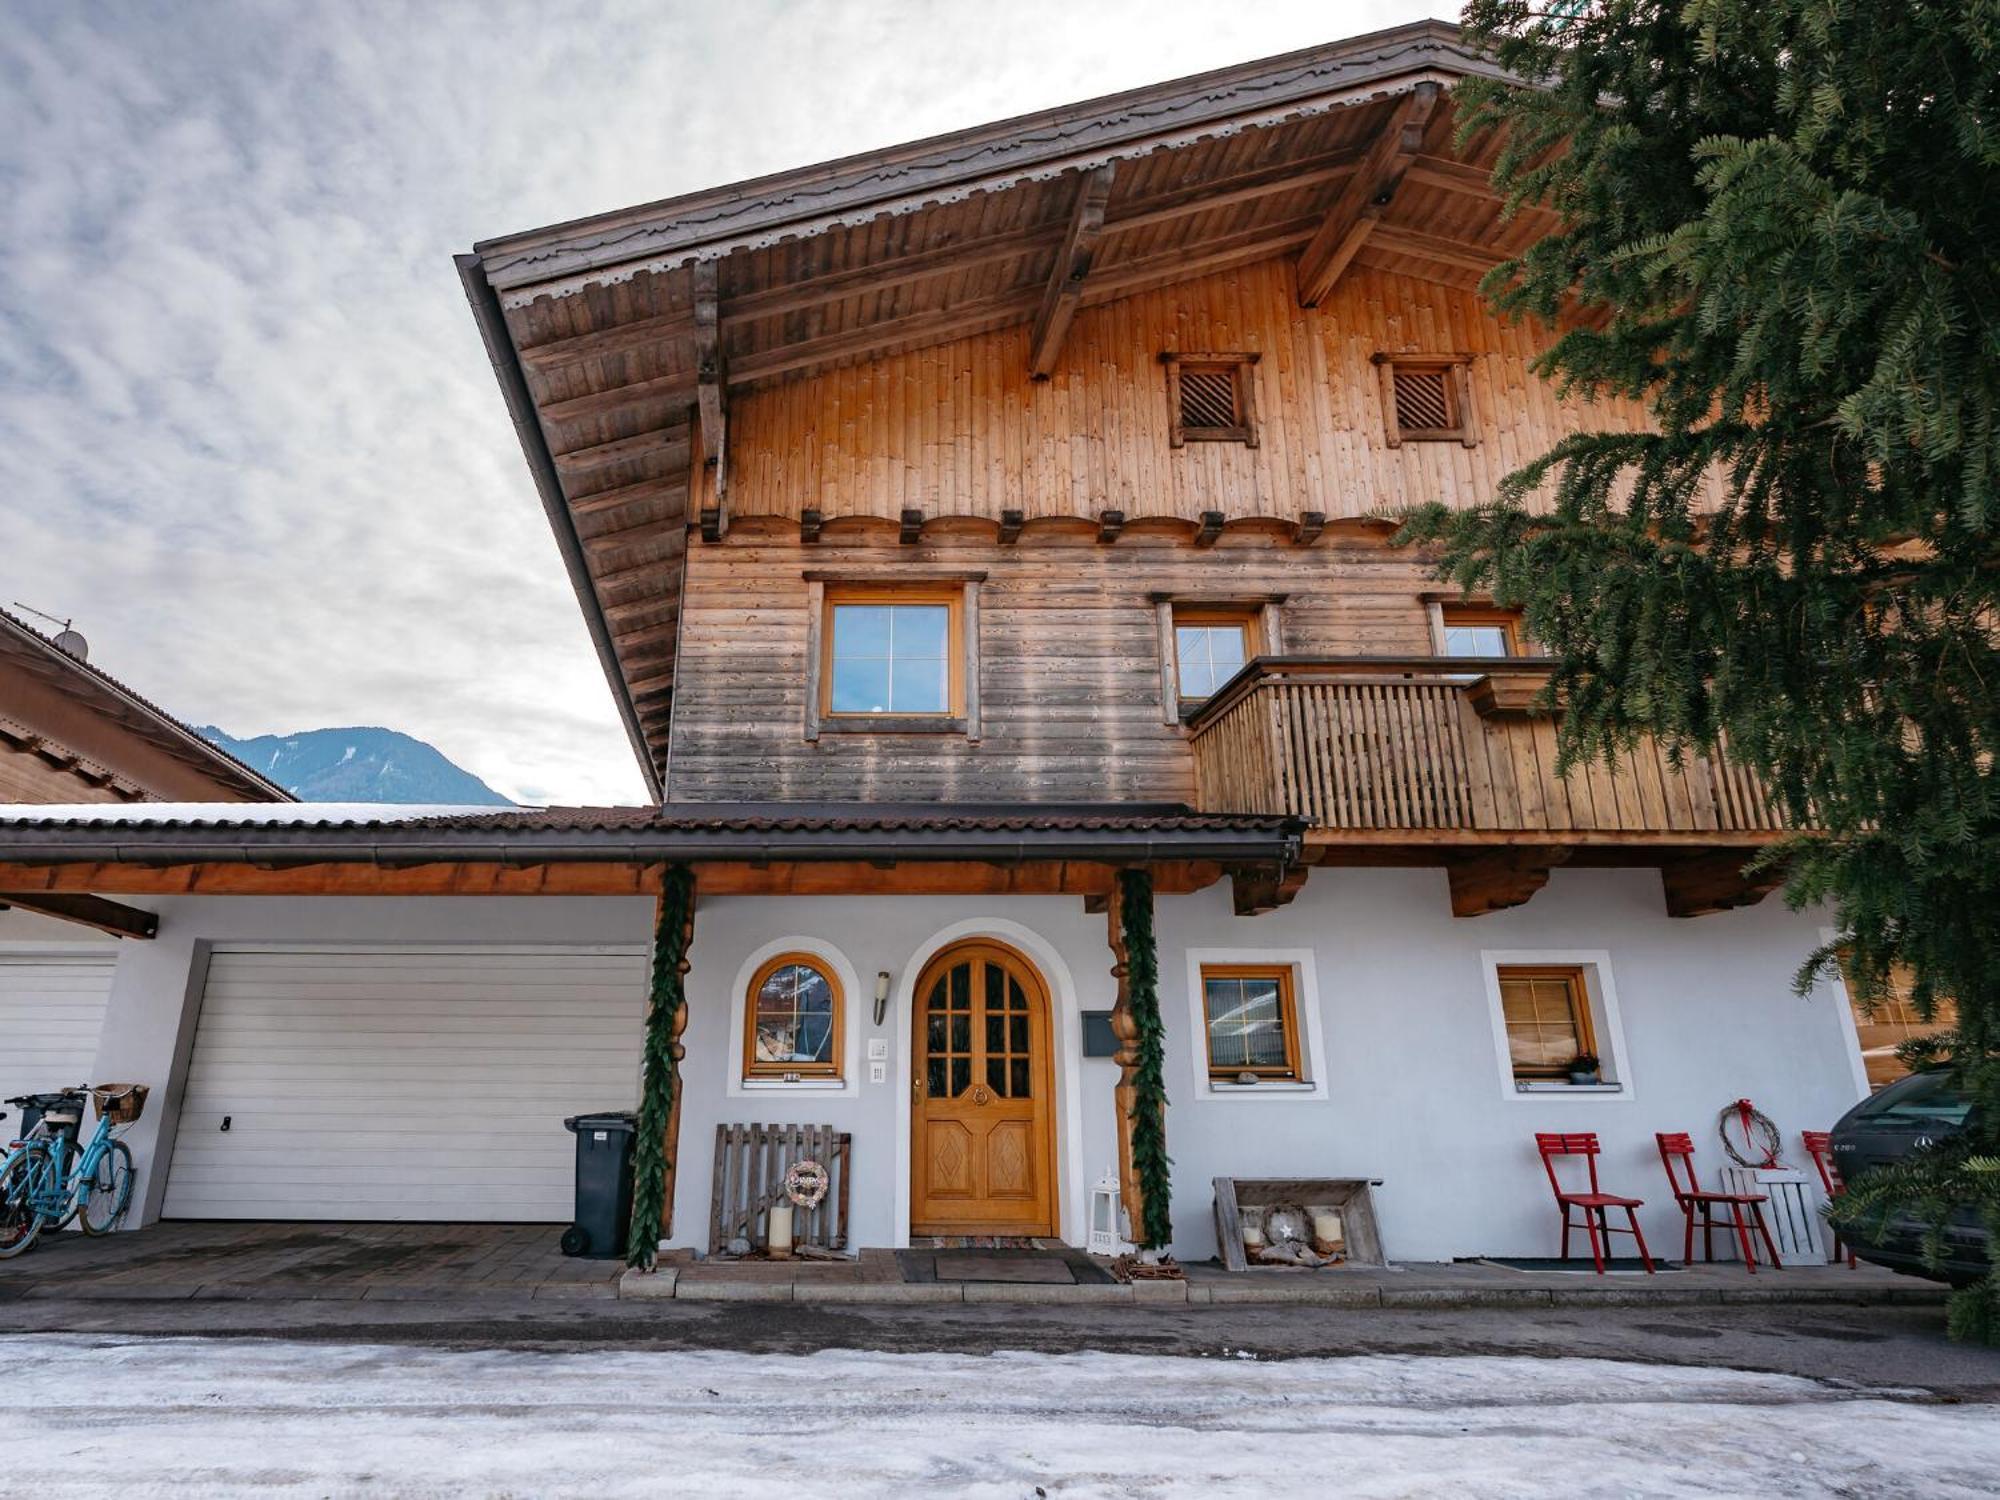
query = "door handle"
x=916 y=1091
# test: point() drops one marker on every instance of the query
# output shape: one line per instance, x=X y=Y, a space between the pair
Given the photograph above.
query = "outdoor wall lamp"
x=881 y=995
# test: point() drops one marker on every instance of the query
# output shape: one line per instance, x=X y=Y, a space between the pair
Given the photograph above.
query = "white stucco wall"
x=1408 y=1086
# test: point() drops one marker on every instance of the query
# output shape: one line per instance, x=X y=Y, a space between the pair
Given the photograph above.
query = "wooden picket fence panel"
x=750 y=1166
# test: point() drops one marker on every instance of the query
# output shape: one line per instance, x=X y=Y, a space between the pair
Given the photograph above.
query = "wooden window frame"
x=1248 y=618
x=1241 y=368
x=1457 y=372
x=1288 y=1011
x=1264 y=636
x=1446 y=615
x=1584 y=1023
x=756 y=1069
x=958 y=592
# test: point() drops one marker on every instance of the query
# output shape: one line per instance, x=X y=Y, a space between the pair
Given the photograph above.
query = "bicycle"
x=46 y=1181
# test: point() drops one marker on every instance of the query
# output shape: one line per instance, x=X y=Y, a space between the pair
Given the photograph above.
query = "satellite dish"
x=73 y=642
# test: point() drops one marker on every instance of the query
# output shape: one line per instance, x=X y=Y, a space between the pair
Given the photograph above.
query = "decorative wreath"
x=805 y=1183
x=1751 y=1126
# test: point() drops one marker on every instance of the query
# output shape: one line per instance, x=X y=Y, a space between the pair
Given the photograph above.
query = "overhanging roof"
x=109 y=699
x=618 y=340
x=769 y=831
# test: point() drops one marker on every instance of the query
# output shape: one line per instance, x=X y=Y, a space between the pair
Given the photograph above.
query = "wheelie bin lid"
x=610 y=1119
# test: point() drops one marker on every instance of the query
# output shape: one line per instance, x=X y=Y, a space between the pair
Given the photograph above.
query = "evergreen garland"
x=1149 y=1105
x=1783 y=214
x=649 y=1151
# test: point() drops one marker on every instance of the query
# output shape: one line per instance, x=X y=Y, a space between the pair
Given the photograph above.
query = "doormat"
x=1065 y=1267
x=1619 y=1264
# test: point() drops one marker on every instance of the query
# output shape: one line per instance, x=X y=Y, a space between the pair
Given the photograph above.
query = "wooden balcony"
x=1444 y=760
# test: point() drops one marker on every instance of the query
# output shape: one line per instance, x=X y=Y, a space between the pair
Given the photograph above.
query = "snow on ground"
x=99 y=1415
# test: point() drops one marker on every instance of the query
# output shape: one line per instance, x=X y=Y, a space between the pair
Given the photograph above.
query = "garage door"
x=339 y=1083
x=51 y=1011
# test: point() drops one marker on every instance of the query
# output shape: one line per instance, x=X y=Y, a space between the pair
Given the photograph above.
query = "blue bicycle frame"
x=59 y=1181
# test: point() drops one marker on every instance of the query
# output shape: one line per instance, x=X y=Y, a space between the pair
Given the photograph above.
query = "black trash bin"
x=603 y=1184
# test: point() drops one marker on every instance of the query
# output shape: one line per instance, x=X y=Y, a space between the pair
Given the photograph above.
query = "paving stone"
x=878 y=1291
x=647 y=1286
x=1325 y=1295
x=733 y=1291
x=1029 y=1291
x=1635 y=1296
x=1160 y=1291
x=1469 y=1296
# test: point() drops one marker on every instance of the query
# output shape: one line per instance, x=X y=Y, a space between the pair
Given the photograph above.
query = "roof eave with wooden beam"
x=1358 y=210
x=1065 y=288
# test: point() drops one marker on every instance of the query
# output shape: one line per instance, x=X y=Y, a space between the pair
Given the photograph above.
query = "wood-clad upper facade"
x=1076 y=381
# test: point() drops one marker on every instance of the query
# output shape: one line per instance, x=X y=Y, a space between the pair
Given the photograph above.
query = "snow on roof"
x=304 y=814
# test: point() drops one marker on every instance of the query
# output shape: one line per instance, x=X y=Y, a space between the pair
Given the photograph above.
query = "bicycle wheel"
x=19 y=1222
x=109 y=1192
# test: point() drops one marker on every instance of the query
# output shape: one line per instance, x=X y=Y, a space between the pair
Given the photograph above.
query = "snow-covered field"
x=92 y=1415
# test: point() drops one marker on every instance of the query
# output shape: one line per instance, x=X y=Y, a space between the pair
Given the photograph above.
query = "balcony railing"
x=1415 y=745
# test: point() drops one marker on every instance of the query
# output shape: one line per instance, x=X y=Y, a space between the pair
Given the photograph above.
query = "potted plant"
x=1583 y=1068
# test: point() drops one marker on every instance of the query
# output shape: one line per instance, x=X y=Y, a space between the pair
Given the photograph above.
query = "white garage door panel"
x=408 y=1084
x=51 y=1012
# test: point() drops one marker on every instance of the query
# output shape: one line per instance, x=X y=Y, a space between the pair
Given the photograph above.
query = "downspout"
x=542 y=465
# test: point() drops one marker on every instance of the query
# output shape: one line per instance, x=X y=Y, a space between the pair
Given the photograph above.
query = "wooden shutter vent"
x=1426 y=398
x=1422 y=401
x=1210 y=398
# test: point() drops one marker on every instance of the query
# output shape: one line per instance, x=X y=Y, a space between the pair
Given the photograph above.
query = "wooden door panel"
x=1010 y=1162
x=982 y=1118
x=950 y=1152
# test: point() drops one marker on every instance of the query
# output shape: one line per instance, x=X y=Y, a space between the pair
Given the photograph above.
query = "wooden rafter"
x=711 y=375
x=1065 y=285
x=1462 y=254
x=114 y=917
x=1359 y=208
x=668 y=444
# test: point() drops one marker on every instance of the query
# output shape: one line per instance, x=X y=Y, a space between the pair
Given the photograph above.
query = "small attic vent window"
x=1426 y=399
x=1210 y=398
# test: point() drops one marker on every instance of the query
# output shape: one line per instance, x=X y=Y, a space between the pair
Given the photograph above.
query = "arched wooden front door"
x=982 y=1121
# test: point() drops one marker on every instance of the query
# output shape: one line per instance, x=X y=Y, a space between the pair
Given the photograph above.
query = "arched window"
x=793 y=1026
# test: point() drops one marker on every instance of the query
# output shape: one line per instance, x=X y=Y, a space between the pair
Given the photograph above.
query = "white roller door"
x=51 y=1011
x=401 y=1083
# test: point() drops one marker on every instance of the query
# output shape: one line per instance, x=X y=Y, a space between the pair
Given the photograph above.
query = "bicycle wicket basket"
x=120 y=1103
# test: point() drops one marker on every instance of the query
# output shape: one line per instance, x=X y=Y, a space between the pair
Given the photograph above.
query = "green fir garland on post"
x=656 y=1103
x=1149 y=1106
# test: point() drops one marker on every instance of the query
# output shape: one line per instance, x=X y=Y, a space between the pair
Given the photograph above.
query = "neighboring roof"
x=99 y=692
x=338 y=832
x=600 y=331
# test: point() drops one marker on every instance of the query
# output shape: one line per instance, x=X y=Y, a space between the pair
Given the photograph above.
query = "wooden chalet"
x=987 y=543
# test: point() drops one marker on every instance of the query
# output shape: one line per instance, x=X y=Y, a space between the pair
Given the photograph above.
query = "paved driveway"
x=293 y=1260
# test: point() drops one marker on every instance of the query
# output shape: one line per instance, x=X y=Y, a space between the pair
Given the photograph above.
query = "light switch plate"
x=878 y=1049
x=878 y=1072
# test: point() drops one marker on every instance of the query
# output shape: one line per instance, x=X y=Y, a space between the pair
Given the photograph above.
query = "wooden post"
x=1131 y=1195
x=670 y=1142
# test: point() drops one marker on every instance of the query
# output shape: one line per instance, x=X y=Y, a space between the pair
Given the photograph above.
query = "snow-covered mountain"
x=357 y=765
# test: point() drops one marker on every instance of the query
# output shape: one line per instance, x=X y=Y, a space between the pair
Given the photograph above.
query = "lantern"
x=1104 y=1215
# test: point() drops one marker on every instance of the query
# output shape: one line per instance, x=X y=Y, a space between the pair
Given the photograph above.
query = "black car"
x=1911 y=1114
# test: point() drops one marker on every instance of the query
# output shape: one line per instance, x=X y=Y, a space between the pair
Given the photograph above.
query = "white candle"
x=779 y=1242
x=1328 y=1231
x=1253 y=1237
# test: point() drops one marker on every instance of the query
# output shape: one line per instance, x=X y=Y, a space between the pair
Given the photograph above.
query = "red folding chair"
x=1819 y=1146
x=1595 y=1204
x=1746 y=1210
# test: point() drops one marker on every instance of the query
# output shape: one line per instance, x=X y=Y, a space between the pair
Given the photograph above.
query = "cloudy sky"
x=247 y=436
